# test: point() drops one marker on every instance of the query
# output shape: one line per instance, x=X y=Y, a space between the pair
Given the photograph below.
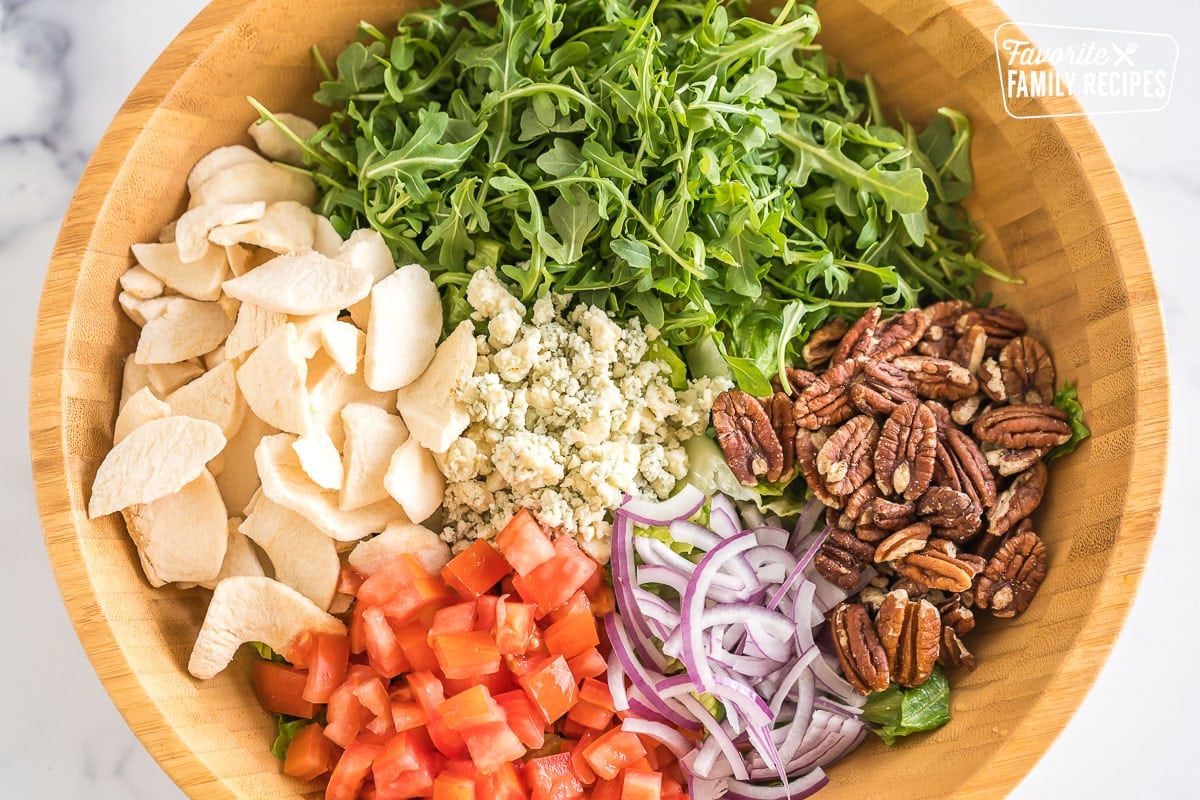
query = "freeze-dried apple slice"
x=303 y=557
x=372 y=436
x=326 y=240
x=285 y=482
x=276 y=145
x=253 y=609
x=141 y=311
x=141 y=408
x=239 y=480
x=330 y=390
x=414 y=481
x=193 y=228
x=285 y=227
x=219 y=160
x=199 y=279
x=156 y=459
x=309 y=331
x=344 y=343
x=304 y=284
x=140 y=283
x=251 y=181
x=254 y=324
x=366 y=250
x=397 y=539
x=273 y=381
x=320 y=459
x=213 y=396
x=182 y=537
x=186 y=329
x=166 y=378
x=430 y=405
x=240 y=557
x=403 y=330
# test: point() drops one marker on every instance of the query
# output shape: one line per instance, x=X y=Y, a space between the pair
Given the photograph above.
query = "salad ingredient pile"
x=570 y=412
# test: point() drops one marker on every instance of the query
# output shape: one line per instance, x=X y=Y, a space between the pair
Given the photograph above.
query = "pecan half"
x=899 y=334
x=845 y=461
x=798 y=381
x=882 y=388
x=1021 y=426
x=957 y=614
x=842 y=558
x=827 y=400
x=779 y=411
x=905 y=453
x=953 y=653
x=1000 y=324
x=871 y=533
x=935 y=569
x=862 y=657
x=1027 y=371
x=964 y=412
x=970 y=465
x=954 y=515
x=807 y=445
x=991 y=381
x=1013 y=576
x=910 y=632
x=938 y=378
x=823 y=343
x=1007 y=461
x=746 y=437
x=859 y=510
x=889 y=515
x=944 y=314
x=860 y=339
x=968 y=352
x=1019 y=500
x=908 y=540
x=941 y=415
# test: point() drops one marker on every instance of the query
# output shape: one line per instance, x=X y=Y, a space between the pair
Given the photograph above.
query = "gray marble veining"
x=67 y=64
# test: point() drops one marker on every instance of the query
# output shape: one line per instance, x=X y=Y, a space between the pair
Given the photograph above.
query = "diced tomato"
x=458 y=618
x=485 y=612
x=573 y=634
x=404 y=768
x=505 y=783
x=449 y=786
x=327 y=667
x=583 y=771
x=552 y=583
x=358 y=629
x=309 y=755
x=346 y=714
x=383 y=650
x=587 y=664
x=407 y=715
x=423 y=595
x=576 y=602
x=394 y=578
x=300 y=651
x=413 y=639
x=427 y=691
x=670 y=786
x=349 y=580
x=470 y=709
x=351 y=771
x=495 y=682
x=551 y=778
x=604 y=602
x=551 y=688
x=280 y=689
x=374 y=696
x=524 y=544
x=523 y=719
x=613 y=752
x=590 y=715
x=515 y=625
x=461 y=655
x=492 y=745
x=570 y=728
x=606 y=790
x=597 y=692
x=641 y=785
x=475 y=570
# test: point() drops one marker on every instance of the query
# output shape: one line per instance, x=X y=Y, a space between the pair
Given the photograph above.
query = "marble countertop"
x=68 y=64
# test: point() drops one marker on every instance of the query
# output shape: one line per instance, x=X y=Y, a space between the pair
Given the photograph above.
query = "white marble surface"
x=66 y=65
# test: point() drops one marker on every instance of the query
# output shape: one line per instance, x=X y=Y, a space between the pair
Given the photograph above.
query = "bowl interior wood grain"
x=1046 y=194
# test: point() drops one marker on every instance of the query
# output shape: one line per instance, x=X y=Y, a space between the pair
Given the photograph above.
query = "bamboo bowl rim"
x=62 y=505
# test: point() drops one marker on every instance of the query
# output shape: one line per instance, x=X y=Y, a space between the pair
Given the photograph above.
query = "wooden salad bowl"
x=1046 y=194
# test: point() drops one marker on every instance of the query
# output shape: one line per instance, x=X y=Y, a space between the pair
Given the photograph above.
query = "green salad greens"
x=1067 y=398
x=681 y=161
x=898 y=712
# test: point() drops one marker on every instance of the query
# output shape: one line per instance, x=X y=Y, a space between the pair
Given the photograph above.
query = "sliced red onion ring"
x=682 y=505
x=675 y=741
x=797 y=789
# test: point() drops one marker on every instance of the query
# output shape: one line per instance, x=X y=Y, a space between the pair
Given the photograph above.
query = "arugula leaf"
x=898 y=712
x=1067 y=398
x=686 y=163
x=267 y=654
x=288 y=728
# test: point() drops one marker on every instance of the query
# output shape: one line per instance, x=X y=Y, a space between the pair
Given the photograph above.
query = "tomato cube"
x=573 y=634
x=422 y=595
x=552 y=583
x=641 y=785
x=427 y=691
x=613 y=752
x=383 y=650
x=576 y=602
x=470 y=709
x=404 y=768
x=579 y=765
x=505 y=783
x=328 y=662
x=551 y=778
x=588 y=664
x=374 y=696
x=309 y=755
x=458 y=618
x=486 y=608
x=407 y=715
x=394 y=578
x=524 y=544
x=413 y=639
x=524 y=720
x=448 y=786
x=475 y=570
x=515 y=624
x=606 y=790
x=551 y=688
x=280 y=689
x=462 y=655
x=597 y=692
x=351 y=771
x=590 y=715
x=492 y=745
x=496 y=682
